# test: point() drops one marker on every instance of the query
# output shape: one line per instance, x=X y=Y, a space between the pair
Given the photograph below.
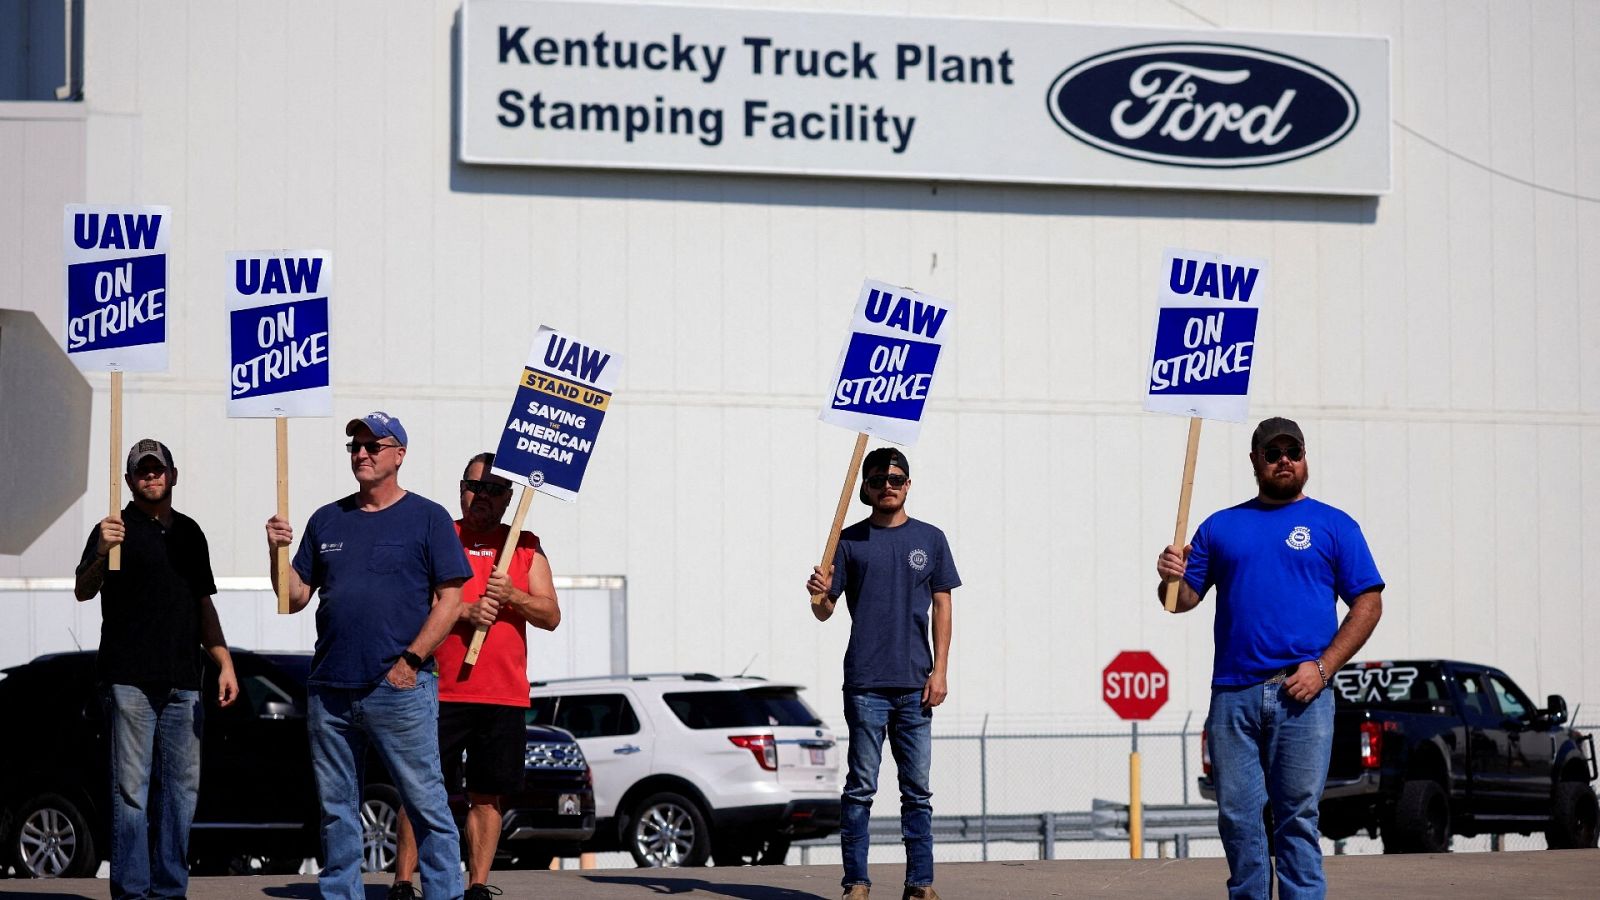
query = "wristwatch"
x=412 y=660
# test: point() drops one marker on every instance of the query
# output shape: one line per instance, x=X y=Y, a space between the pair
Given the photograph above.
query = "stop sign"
x=1134 y=685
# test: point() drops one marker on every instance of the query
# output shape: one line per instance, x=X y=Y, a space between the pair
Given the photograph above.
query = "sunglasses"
x=1273 y=454
x=876 y=482
x=373 y=448
x=486 y=488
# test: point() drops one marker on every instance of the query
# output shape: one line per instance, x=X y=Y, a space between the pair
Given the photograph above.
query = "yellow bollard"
x=1135 y=811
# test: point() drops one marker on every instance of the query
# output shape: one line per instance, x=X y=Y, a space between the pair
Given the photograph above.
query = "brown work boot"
x=856 y=892
x=920 y=893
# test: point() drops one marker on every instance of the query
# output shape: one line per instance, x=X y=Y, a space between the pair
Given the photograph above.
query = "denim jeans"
x=155 y=738
x=1268 y=749
x=403 y=726
x=869 y=714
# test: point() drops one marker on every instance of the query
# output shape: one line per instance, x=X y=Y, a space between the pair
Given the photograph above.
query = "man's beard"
x=161 y=495
x=1273 y=489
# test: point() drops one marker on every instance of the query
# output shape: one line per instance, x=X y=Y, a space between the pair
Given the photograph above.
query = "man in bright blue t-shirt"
x=1280 y=563
x=892 y=570
x=388 y=568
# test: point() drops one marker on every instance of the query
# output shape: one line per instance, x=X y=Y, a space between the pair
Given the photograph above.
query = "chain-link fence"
x=986 y=775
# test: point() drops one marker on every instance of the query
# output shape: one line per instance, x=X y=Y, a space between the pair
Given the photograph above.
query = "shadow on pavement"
x=308 y=891
x=686 y=885
x=40 y=895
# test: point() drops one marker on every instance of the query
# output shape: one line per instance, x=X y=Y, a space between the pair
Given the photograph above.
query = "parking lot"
x=1530 y=875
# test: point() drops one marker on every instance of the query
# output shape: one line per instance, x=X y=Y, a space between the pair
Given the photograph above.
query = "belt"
x=1281 y=675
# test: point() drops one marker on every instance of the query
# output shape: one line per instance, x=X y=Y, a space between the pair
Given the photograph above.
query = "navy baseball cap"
x=380 y=423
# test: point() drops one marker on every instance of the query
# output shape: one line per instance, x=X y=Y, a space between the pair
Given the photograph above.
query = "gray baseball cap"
x=149 y=447
x=1276 y=427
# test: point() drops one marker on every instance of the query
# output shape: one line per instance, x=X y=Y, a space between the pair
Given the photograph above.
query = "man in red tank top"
x=481 y=707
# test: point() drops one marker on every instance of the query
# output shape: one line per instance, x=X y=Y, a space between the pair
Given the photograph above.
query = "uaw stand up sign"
x=562 y=397
x=278 y=353
x=1202 y=352
x=116 y=305
x=885 y=372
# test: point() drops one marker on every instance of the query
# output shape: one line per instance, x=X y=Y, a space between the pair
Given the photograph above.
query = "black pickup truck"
x=1423 y=749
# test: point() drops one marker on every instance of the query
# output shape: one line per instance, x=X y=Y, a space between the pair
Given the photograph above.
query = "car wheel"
x=1421 y=820
x=380 y=827
x=668 y=829
x=52 y=840
x=770 y=852
x=1574 y=817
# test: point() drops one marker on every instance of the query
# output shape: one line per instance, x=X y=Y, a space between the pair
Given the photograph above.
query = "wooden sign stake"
x=280 y=556
x=114 y=561
x=501 y=566
x=845 y=493
x=1170 y=598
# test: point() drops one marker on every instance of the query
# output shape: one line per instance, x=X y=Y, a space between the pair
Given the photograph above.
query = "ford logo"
x=1200 y=104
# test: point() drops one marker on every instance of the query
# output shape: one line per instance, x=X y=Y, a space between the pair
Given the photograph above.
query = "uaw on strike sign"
x=1205 y=336
x=887 y=365
x=278 y=334
x=117 y=287
x=562 y=398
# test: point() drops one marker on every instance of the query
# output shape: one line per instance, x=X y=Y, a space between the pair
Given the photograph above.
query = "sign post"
x=1202 y=352
x=884 y=375
x=1134 y=685
x=278 y=353
x=562 y=397
x=116 y=305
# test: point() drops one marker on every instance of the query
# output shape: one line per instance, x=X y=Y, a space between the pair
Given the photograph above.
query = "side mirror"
x=1556 y=710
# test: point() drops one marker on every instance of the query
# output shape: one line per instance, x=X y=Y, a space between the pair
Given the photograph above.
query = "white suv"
x=692 y=766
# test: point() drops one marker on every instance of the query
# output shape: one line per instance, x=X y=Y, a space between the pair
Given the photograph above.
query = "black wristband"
x=412 y=660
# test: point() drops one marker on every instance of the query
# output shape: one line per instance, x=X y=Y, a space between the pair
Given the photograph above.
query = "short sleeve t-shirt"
x=374 y=573
x=888 y=577
x=501 y=674
x=150 y=609
x=1279 y=571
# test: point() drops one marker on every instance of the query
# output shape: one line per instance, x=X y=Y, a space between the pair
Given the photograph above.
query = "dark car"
x=1423 y=749
x=257 y=810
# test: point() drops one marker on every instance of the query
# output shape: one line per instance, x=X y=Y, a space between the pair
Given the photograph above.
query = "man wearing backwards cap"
x=891 y=568
x=1278 y=562
x=389 y=569
x=156 y=615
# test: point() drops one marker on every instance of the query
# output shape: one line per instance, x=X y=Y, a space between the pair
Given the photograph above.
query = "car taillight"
x=762 y=746
x=1371 y=745
x=1205 y=753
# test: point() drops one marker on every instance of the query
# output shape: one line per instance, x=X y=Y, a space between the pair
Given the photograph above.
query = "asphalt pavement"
x=1527 y=875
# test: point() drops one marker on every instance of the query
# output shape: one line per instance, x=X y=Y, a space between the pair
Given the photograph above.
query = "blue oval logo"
x=1198 y=104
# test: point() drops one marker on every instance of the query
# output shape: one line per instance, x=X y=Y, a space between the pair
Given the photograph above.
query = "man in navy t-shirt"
x=1280 y=563
x=891 y=569
x=388 y=568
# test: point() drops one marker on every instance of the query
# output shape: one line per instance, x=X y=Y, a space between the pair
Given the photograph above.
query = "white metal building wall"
x=1441 y=345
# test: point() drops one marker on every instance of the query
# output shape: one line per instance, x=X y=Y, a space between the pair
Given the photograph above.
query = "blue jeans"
x=403 y=726
x=1268 y=749
x=869 y=714
x=155 y=736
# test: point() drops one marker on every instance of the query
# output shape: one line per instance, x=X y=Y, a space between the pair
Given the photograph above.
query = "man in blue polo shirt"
x=389 y=569
x=893 y=571
x=1279 y=563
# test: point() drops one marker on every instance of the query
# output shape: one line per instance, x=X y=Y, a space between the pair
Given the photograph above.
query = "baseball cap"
x=380 y=423
x=149 y=447
x=1275 y=427
x=883 y=458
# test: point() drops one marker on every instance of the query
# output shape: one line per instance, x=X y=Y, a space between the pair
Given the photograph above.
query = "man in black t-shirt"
x=156 y=615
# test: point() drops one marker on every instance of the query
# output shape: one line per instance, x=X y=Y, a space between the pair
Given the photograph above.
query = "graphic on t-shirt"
x=918 y=559
x=1299 y=538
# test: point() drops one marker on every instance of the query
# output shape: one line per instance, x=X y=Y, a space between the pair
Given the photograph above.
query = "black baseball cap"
x=883 y=458
x=1276 y=427
x=149 y=447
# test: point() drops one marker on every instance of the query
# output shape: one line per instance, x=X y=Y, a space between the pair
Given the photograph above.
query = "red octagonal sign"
x=1134 y=685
